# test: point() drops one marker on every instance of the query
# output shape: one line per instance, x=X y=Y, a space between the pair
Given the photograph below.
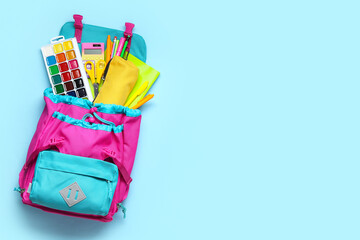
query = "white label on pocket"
x=29 y=188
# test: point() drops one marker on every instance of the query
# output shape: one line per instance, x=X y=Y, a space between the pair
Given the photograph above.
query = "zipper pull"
x=20 y=190
x=123 y=209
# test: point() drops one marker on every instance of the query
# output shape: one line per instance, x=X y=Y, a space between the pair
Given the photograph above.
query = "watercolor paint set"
x=65 y=68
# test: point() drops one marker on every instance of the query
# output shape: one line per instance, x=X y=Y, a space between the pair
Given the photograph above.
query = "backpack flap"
x=91 y=33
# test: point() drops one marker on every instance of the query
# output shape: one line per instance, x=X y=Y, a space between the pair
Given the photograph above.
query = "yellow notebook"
x=146 y=73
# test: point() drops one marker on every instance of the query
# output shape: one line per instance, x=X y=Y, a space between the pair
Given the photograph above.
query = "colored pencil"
x=143 y=101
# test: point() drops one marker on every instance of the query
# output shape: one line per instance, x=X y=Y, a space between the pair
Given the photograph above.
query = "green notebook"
x=146 y=73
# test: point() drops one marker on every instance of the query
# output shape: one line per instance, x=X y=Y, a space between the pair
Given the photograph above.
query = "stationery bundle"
x=82 y=153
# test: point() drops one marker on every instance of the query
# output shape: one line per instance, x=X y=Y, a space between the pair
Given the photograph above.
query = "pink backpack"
x=80 y=158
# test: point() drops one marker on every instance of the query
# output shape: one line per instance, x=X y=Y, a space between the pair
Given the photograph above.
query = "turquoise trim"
x=84 y=124
x=116 y=109
x=67 y=99
x=104 y=108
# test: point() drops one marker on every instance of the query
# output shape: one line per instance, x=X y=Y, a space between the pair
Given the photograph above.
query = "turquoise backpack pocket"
x=72 y=183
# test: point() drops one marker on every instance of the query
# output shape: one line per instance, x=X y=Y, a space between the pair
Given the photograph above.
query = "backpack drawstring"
x=94 y=114
x=103 y=120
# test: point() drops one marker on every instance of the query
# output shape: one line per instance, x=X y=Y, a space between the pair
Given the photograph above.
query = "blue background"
x=253 y=132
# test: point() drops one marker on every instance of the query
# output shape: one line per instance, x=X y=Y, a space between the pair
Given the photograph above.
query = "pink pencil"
x=120 y=47
x=113 y=50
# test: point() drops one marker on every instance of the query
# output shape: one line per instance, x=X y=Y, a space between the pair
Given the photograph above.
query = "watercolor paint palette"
x=65 y=69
